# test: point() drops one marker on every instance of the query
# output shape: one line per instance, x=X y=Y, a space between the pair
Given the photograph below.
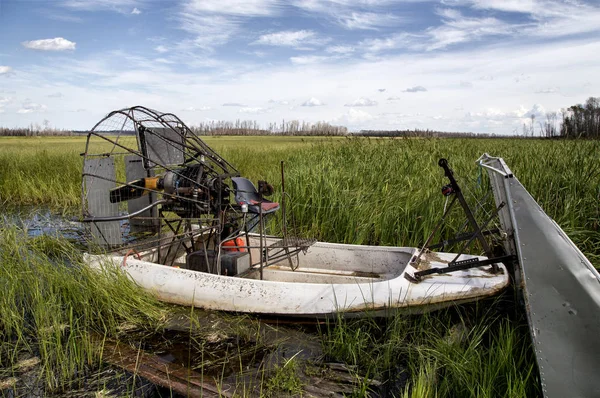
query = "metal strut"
x=459 y=266
x=479 y=231
x=443 y=163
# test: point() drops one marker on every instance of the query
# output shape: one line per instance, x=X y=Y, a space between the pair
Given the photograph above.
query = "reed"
x=54 y=308
x=476 y=350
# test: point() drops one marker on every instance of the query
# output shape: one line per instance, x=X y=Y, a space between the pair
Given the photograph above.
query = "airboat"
x=182 y=223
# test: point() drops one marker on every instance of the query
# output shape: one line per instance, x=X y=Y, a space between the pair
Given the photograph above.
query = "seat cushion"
x=266 y=205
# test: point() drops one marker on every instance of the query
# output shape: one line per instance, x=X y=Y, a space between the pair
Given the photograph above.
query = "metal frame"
x=190 y=193
x=479 y=232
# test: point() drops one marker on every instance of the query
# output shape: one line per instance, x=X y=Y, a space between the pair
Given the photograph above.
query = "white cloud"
x=3 y=102
x=354 y=117
x=381 y=90
x=114 y=80
x=520 y=115
x=136 y=11
x=549 y=90
x=5 y=70
x=548 y=18
x=121 y=6
x=457 y=28
x=367 y=20
x=342 y=50
x=454 y=29
x=56 y=44
x=362 y=102
x=60 y=16
x=313 y=102
x=290 y=38
x=55 y=95
x=209 y=30
x=254 y=111
x=352 y=14
x=251 y=8
x=308 y=59
x=164 y=61
x=415 y=89
x=394 y=42
x=214 y=22
x=234 y=104
x=279 y=102
x=161 y=49
x=198 y=109
x=522 y=6
x=393 y=98
x=30 y=107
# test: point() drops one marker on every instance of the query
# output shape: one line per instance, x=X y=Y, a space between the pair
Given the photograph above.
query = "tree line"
x=577 y=121
x=34 y=129
x=251 y=127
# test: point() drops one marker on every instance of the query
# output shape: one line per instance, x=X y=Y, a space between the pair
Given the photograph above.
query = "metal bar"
x=416 y=258
x=443 y=163
x=125 y=217
x=462 y=237
x=466 y=264
x=478 y=232
x=247 y=237
x=262 y=233
x=284 y=226
x=172 y=240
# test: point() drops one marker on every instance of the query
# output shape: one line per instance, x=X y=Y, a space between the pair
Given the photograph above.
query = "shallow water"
x=39 y=221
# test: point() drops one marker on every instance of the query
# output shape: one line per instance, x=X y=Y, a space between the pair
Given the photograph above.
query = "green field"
x=351 y=190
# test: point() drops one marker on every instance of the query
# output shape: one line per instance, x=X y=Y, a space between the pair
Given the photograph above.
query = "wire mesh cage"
x=147 y=178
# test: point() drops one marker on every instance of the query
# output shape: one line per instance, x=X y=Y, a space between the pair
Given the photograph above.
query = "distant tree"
x=582 y=120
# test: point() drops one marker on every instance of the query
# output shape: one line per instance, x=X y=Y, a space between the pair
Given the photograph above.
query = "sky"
x=481 y=66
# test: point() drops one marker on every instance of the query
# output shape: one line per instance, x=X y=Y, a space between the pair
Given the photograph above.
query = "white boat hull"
x=330 y=279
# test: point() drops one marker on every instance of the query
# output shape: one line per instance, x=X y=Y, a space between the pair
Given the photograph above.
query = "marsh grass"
x=351 y=190
x=284 y=379
x=361 y=191
x=55 y=308
x=467 y=351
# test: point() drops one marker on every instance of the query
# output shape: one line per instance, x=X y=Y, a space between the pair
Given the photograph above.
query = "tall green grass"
x=54 y=307
x=470 y=351
x=41 y=171
x=363 y=191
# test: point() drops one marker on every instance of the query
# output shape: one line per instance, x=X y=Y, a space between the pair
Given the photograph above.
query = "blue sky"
x=452 y=65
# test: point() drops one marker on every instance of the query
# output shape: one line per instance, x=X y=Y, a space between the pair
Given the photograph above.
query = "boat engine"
x=188 y=191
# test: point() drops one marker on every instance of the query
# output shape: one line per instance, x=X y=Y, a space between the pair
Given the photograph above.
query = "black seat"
x=246 y=193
